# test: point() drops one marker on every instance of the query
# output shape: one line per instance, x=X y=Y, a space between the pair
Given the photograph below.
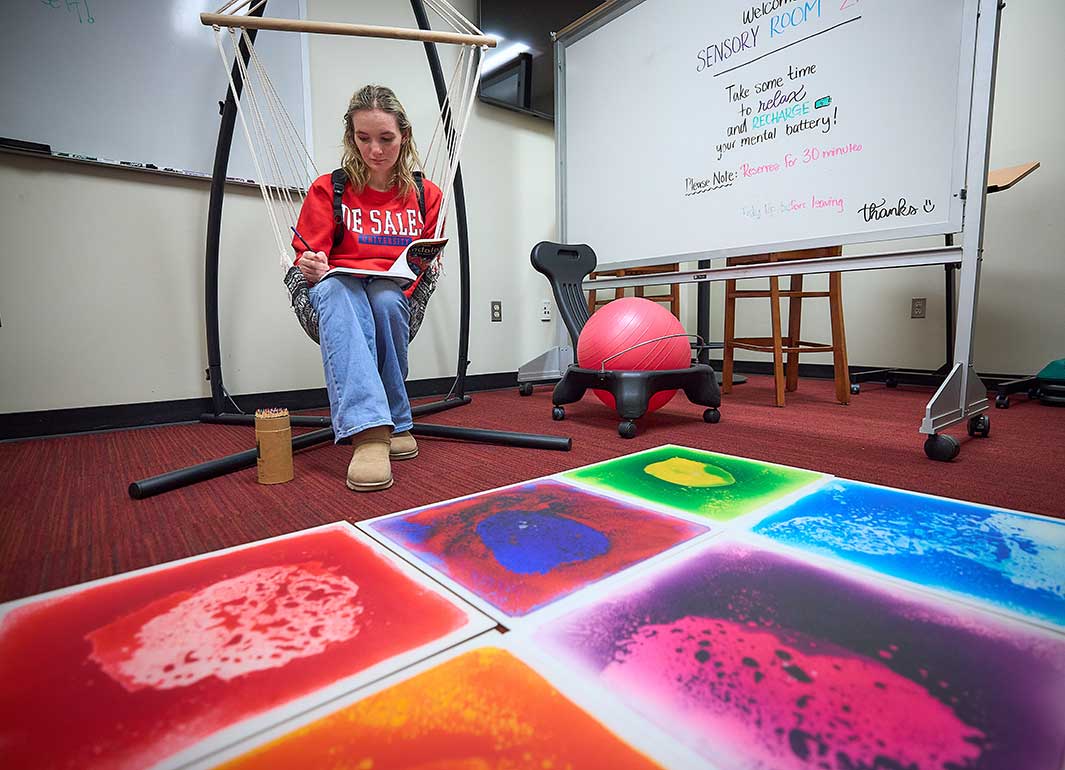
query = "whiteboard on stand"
x=689 y=129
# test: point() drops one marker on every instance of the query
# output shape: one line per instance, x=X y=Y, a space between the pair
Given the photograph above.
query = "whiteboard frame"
x=952 y=225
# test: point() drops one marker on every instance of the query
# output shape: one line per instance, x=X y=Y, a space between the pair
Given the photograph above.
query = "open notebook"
x=408 y=265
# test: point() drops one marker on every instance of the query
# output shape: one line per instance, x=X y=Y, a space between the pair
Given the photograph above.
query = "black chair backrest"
x=566 y=266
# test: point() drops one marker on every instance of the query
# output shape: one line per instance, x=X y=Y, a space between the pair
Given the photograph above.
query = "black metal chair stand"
x=566 y=267
x=213 y=468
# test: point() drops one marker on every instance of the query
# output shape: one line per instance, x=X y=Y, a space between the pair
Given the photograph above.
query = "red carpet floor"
x=65 y=516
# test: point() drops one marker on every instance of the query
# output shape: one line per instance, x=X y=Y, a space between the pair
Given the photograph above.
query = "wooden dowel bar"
x=338 y=28
x=749 y=293
x=767 y=347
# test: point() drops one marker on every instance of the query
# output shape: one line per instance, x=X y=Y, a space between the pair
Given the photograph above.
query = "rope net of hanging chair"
x=283 y=165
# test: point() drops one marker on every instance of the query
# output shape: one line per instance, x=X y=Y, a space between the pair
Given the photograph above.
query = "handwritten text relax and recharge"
x=774 y=107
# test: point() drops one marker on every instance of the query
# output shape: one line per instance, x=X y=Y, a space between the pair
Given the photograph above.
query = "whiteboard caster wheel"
x=979 y=425
x=940 y=446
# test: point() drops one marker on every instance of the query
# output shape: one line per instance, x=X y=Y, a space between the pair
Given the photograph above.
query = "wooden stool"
x=672 y=298
x=791 y=343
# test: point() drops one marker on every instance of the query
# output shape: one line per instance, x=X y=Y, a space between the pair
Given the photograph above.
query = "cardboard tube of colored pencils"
x=273 y=443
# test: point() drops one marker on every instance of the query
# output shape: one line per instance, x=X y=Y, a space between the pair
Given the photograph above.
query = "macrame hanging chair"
x=283 y=165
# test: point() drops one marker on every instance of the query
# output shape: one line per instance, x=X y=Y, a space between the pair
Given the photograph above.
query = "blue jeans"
x=363 y=326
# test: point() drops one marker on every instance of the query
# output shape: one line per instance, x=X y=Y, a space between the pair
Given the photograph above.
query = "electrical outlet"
x=545 y=310
x=918 y=306
x=497 y=311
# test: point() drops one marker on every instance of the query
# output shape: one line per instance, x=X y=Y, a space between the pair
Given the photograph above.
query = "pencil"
x=304 y=242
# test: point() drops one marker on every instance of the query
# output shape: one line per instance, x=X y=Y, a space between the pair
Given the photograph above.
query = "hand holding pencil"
x=313 y=264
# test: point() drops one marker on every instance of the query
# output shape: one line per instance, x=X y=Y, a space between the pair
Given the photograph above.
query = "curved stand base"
x=632 y=391
x=183 y=477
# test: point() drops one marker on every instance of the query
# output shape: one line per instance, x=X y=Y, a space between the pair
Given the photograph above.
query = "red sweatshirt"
x=379 y=224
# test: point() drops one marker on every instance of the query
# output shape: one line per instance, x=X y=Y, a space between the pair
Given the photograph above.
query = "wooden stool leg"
x=778 y=353
x=728 y=350
x=839 y=339
x=794 y=333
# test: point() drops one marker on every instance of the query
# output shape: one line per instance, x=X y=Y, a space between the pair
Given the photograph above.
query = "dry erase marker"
x=297 y=232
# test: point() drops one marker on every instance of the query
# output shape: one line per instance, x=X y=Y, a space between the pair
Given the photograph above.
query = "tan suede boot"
x=369 y=469
x=404 y=447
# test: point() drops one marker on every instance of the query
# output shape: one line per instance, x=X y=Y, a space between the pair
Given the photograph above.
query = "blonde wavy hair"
x=380 y=98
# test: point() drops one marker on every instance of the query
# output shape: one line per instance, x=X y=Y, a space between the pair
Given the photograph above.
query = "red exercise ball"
x=625 y=322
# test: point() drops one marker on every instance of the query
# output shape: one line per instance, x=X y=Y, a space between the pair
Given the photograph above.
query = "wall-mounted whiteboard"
x=134 y=81
x=689 y=129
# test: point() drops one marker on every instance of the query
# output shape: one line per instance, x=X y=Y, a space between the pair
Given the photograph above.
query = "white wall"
x=101 y=299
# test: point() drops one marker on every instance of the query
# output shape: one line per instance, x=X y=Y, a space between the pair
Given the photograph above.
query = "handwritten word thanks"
x=874 y=212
